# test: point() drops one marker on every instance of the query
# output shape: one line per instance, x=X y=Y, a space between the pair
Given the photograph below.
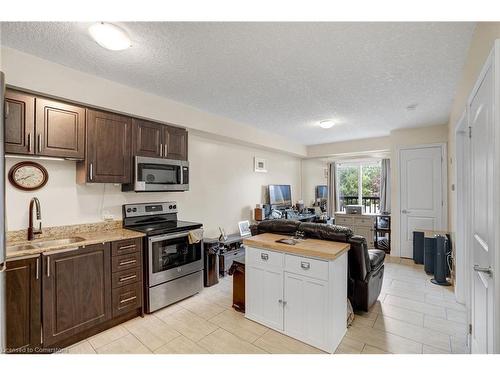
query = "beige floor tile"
x=223 y=342
x=368 y=349
x=128 y=344
x=236 y=323
x=350 y=346
x=360 y=321
x=181 y=345
x=441 y=301
x=400 y=313
x=459 y=345
x=412 y=332
x=83 y=347
x=456 y=316
x=371 y=315
x=108 y=336
x=421 y=307
x=431 y=350
x=166 y=311
x=384 y=340
x=445 y=326
x=202 y=307
x=151 y=331
x=410 y=294
x=189 y=324
x=276 y=343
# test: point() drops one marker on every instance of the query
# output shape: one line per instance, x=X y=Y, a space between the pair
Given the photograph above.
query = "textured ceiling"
x=281 y=77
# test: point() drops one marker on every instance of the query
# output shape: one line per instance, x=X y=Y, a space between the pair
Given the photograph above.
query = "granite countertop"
x=95 y=234
x=328 y=250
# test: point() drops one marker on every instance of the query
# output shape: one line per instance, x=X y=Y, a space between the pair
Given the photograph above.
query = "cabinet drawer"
x=126 y=262
x=264 y=258
x=340 y=220
x=127 y=298
x=125 y=246
x=126 y=277
x=364 y=221
x=314 y=268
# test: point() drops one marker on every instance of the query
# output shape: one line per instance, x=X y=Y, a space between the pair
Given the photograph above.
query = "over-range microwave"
x=155 y=174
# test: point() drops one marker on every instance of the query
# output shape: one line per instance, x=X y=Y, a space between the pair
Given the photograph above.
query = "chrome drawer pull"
x=264 y=256
x=29 y=142
x=127 y=278
x=305 y=265
x=128 y=299
x=127 y=262
x=37 y=268
x=127 y=247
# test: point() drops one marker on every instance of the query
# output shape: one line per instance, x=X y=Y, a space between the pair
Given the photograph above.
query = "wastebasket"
x=211 y=269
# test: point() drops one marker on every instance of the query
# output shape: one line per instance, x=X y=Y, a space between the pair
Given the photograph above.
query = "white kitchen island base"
x=300 y=296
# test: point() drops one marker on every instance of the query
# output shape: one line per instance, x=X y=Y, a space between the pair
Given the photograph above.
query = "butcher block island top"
x=327 y=250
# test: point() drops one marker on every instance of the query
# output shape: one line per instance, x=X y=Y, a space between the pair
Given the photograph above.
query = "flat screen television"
x=280 y=195
x=321 y=192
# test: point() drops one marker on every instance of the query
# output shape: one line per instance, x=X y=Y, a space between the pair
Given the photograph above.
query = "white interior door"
x=483 y=211
x=422 y=181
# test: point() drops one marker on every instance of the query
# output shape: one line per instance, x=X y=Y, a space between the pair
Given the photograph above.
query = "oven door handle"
x=167 y=237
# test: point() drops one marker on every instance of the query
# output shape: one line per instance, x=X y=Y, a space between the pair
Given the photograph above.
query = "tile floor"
x=411 y=315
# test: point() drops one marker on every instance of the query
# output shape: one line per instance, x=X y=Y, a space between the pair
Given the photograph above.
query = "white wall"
x=313 y=174
x=223 y=189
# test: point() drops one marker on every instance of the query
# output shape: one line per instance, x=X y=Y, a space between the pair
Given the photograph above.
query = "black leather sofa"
x=366 y=267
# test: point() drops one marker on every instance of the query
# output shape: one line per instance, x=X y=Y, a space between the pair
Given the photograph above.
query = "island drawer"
x=264 y=258
x=313 y=268
x=341 y=220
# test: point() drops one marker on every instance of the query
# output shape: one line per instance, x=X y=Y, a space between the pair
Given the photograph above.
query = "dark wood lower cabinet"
x=23 y=311
x=76 y=292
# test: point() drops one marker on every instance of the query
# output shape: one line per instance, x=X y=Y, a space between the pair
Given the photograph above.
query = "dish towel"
x=195 y=236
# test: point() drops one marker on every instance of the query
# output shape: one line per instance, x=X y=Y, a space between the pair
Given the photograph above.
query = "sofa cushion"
x=280 y=226
x=376 y=258
x=326 y=232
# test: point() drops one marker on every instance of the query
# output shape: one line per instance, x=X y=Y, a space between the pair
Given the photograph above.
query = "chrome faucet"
x=31 y=230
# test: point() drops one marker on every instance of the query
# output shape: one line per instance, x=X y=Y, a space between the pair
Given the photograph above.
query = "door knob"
x=486 y=270
x=405 y=211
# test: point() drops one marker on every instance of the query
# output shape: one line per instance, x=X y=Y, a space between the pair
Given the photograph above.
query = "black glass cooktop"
x=169 y=226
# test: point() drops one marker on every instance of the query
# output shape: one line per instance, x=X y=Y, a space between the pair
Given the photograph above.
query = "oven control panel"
x=149 y=209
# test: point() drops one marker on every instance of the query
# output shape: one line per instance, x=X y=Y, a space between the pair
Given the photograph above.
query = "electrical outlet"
x=107 y=216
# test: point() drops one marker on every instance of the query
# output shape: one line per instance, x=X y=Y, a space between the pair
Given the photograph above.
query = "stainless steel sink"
x=45 y=243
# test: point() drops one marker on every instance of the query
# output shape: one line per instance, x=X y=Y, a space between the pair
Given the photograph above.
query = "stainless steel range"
x=173 y=267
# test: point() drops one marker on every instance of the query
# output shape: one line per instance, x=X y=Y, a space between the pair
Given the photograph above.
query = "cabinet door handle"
x=48 y=266
x=264 y=256
x=280 y=301
x=161 y=150
x=91 y=171
x=305 y=265
x=127 y=247
x=29 y=142
x=122 y=279
x=128 y=299
x=165 y=149
x=7 y=110
x=127 y=262
x=39 y=142
x=37 y=268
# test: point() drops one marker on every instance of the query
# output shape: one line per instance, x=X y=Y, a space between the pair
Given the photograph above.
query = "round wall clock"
x=28 y=175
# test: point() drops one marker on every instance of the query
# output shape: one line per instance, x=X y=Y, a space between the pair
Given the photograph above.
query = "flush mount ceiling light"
x=326 y=124
x=109 y=36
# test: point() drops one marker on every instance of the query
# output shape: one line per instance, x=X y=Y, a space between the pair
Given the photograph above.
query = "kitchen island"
x=298 y=289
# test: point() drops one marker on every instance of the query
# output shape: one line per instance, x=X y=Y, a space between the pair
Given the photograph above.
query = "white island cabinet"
x=299 y=293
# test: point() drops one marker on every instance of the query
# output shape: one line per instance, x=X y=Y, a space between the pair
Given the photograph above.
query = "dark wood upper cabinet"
x=109 y=151
x=60 y=129
x=19 y=123
x=176 y=141
x=76 y=292
x=148 y=138
x=23 y=305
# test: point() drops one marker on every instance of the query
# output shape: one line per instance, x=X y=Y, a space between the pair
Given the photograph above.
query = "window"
x=358 y=183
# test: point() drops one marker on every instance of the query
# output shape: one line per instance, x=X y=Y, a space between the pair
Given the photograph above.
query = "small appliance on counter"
x=172 y=265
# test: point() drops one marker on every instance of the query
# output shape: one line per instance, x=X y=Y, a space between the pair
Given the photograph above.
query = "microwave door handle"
x=180 y=177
